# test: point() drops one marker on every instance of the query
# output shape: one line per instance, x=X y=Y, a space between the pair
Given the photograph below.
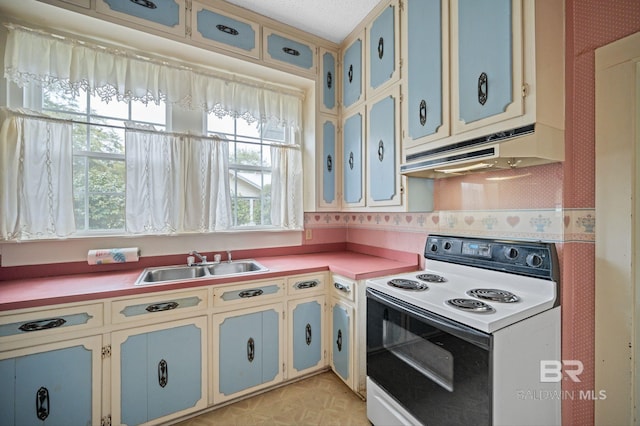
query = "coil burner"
x=405 y=284
x=432 y=278
x=471 y=305
x=494 y=295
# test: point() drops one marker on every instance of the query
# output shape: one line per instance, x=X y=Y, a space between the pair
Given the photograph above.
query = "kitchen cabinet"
x=328 y=164
x=159 y=372
x=52 y=384
x=352 y=72
x=248 y=354
x=285 y=50
x=329 y=80
x=426 y=84
x=348 y=322
x=222 y=29
x=305 y=335
x=383 y=40
x=167 y=16
x=166 y=305
x=248 y=294
x=353 y=172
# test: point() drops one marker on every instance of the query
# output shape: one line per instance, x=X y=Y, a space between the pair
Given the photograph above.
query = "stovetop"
x=485 y=284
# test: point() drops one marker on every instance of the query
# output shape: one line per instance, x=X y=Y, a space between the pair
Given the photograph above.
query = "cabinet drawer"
x=283 y=50
x=158 y=305
x=343 y=288
x=302 y=285
x=221 y=29
x=255 y=292
x=163 y=15
x=50 y=321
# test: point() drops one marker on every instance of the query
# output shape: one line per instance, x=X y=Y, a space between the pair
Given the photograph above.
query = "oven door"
x=437 y=369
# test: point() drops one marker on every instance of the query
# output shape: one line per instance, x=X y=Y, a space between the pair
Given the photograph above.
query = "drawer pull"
x=381 y=150
x=44 y=324
x=290 y=51
x=251 y=293
x=163 y=373
x=339 y=341
x=329 y=163
x=342 y=287
x=350 y=73
x=42 y=403
x=227 y=30
x=351 y=160
x=145 y=3
x=380 y=48
x=251 y=349
x=307 y=334
x=329 y=80
x=164 y=306
x=423 y=112
x=483 y=88
x=300 y=285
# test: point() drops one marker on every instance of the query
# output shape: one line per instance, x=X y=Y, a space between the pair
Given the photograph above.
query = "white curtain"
x=36 y=186
x=286 y=188
x=176 y=184
x=124 y=75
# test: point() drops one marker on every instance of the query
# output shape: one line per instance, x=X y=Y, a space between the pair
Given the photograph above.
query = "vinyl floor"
x=318 y=400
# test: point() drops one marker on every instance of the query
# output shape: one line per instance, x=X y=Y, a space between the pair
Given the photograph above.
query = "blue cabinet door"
x=424 y=67
x=307 y=335
x=329 y=82
x=485 y=58
x=382 y=46
x=341 y=341
x=352 y=74
x=329 y=162
x=352 y=159
x=225 y=30
x=160 y=373
x=248 y=348
x=163 y=15
x=382 y=150
x=47 y=388
x=296 y=53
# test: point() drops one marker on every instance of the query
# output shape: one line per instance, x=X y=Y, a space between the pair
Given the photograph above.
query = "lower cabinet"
x=53 y=384
x=342 y=341
x=306 y=336
x=248 y=353
x=159 y=371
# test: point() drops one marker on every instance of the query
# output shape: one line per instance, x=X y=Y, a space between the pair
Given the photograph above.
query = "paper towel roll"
x=114 y=255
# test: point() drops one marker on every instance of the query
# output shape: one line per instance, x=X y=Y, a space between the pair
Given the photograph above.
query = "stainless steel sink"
x=164 y=274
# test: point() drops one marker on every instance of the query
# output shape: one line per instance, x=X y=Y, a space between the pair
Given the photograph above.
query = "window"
x=99 y=153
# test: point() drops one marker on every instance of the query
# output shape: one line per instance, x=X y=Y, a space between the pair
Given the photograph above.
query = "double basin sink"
x=164 y=274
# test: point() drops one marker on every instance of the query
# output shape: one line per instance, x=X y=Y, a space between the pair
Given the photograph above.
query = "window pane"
x=248 y=154
x=107 y=139
x=80 y=141
x=79 y=192
x=106 y=176
x=112 y=109
x=245 y=129
x=106 y=211
x=274 y=133
x=61 y=101
x=225 y=124
x=149 y=113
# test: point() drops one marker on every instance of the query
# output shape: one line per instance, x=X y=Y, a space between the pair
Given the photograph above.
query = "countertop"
x=37 y=292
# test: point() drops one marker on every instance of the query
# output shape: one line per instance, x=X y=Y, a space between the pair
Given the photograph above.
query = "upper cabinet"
x=383 y=49
x=222 y=29
x=284 y=50
x=352 y=72
x=329 y=80
x=163 y=15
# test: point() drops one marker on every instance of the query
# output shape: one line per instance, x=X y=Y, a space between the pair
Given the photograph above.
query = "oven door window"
x=437 y=369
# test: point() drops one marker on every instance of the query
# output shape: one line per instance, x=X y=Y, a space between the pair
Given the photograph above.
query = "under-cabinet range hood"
x=524 y=146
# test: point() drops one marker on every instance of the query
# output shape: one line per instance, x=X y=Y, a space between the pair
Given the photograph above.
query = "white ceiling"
x=332 y=20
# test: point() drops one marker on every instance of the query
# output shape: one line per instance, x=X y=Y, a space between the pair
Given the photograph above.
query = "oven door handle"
x=471 y=335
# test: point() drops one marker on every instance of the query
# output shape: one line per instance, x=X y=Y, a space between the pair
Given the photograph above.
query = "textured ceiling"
x=329 y=19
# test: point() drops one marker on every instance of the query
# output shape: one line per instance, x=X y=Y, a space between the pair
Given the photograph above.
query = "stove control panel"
x=536 y=259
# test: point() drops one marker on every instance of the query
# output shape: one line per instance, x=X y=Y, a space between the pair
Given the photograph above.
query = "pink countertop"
x=32 y=292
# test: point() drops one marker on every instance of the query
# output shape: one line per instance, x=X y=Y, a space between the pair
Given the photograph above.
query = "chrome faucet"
x=203 y=259
x=229 y=256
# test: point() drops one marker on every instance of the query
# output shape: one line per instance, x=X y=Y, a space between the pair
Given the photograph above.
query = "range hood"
x=524 y=146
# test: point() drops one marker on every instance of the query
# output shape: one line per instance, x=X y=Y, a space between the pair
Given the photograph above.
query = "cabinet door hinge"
x=401 y=4
x=525 y=90
x=106 y=353
x=105 y=421
x=283 y=369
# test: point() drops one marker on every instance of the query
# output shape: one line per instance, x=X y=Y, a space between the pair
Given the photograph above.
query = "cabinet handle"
x=342 y=287
x=380 y=48
x=329 y=163
x=423 y=112
x=145 y=3
x=329 y=80
x=351 y=160
x=306 y=284
x=163 y=373
x=251 y=293
x=307 y=334
x=350 y=73
x=290 y=51
x=339 y=341
x=42 y=324
x=227 y=30
x=483 y=88
x=381 y=150
x=164 y=306
x=42 y=403
x=251 y=349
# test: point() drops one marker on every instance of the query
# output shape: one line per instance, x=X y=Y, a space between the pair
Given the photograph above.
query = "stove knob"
x=447 y=245
x=433 y=247
x=510 y=252
x=534 y=260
